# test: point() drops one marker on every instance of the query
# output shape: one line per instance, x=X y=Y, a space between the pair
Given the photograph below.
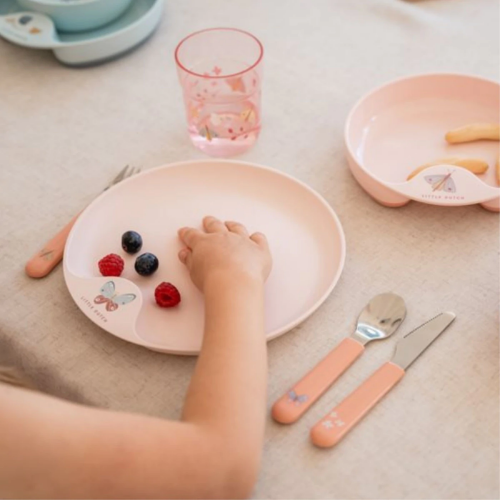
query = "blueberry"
x=146 y=264
x=131 y=242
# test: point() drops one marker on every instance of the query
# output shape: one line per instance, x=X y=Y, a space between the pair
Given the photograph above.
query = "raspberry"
x=166 y=295
x=111 y=265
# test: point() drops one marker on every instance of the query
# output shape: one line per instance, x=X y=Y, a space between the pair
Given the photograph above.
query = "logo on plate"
x=112 y=299
x=442 y=182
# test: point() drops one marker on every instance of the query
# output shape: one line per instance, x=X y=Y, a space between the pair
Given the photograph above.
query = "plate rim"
x=272 y=335
x=347 y=126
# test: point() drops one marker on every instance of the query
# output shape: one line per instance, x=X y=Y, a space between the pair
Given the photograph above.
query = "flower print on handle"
x=329 y=424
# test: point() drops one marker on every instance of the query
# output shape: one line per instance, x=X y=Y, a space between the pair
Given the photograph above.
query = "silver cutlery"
x=378 y=320
x=334 y=426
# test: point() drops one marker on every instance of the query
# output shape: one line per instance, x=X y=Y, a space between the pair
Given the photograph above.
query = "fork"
x=51 y=254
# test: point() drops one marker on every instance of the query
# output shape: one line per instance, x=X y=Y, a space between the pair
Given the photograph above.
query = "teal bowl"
x=78 y=15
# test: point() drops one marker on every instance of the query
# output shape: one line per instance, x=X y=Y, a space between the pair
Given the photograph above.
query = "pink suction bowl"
x=401 y=125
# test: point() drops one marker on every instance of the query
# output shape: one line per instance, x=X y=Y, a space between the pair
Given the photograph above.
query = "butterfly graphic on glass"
x=293 y=397
x=112 y=299
x=441 y=182
x=209 y=134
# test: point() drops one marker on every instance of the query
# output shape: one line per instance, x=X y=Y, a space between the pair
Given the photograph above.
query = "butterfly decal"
x=293 y=397
x=207 y=133
x=194 y=111
x=111 y=299
x=215 y=119
x=441 y=182
x=25 y=20
x=248 y=115
x=46 y=254
x=237 y=84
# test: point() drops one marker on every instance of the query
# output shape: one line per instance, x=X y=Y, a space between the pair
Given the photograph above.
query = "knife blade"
x=333 y=427
x=413 y=344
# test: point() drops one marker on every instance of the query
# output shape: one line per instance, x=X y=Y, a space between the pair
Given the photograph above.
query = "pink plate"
x=401 y=126
x=305 y=235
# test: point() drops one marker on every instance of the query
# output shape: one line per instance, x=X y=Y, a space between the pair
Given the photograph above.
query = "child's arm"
x=51 y=448
x=228 y=389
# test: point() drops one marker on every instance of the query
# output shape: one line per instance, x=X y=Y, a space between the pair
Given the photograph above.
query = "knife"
x=334 y=426
x=379 y=319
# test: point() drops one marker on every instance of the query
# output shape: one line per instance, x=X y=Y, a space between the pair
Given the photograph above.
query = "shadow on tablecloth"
x=36 y=373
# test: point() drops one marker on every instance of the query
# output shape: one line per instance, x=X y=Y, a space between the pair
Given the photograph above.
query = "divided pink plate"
x=398 y=127
x=305 y=235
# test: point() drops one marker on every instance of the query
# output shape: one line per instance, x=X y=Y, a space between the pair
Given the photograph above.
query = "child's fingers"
x=213 y=225
x=189 y=236
x=260 y=239
x=236 y=227
x=185 y=256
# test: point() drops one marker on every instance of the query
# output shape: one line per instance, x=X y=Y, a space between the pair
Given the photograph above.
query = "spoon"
x=378 y=320
x=30 y=29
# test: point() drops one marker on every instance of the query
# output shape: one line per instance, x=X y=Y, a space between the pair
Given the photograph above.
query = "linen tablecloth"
x=65 y=132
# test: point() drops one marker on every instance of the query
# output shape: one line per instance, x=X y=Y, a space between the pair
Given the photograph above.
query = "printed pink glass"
x=220 y=71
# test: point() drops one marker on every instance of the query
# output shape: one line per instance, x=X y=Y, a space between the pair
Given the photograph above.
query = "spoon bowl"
x=380 y=318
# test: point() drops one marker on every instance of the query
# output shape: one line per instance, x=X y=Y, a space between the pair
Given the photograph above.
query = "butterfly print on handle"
x=47 y=254
x=111 y=299
x=441 y=182
x=293 y=397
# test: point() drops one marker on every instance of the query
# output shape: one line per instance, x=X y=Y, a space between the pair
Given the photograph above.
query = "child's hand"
x=224 y=250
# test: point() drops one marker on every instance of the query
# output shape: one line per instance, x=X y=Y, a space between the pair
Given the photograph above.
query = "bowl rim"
x=63 y=4
x=154 y=8
x=351 y=151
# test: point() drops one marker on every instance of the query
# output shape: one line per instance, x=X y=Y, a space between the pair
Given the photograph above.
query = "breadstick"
x=474 y=132
x=474 y=165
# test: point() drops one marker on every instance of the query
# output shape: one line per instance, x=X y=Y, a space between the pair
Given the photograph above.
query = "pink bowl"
x=398 y=127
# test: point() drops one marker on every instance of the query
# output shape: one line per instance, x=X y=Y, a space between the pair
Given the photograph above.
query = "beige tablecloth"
x=65 y=132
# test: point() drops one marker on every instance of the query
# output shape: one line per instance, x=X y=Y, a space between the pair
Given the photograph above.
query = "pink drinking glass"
x=220 y=71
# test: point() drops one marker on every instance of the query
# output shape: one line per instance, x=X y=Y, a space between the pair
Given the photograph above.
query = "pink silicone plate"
x=401 y=126
x=305 y=236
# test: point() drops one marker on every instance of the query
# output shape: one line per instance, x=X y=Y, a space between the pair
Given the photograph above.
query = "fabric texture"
x=64 y=133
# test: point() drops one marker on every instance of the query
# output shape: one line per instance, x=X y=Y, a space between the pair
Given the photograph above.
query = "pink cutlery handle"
x=332 y=428
x=51 y=254
x=297 y=400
